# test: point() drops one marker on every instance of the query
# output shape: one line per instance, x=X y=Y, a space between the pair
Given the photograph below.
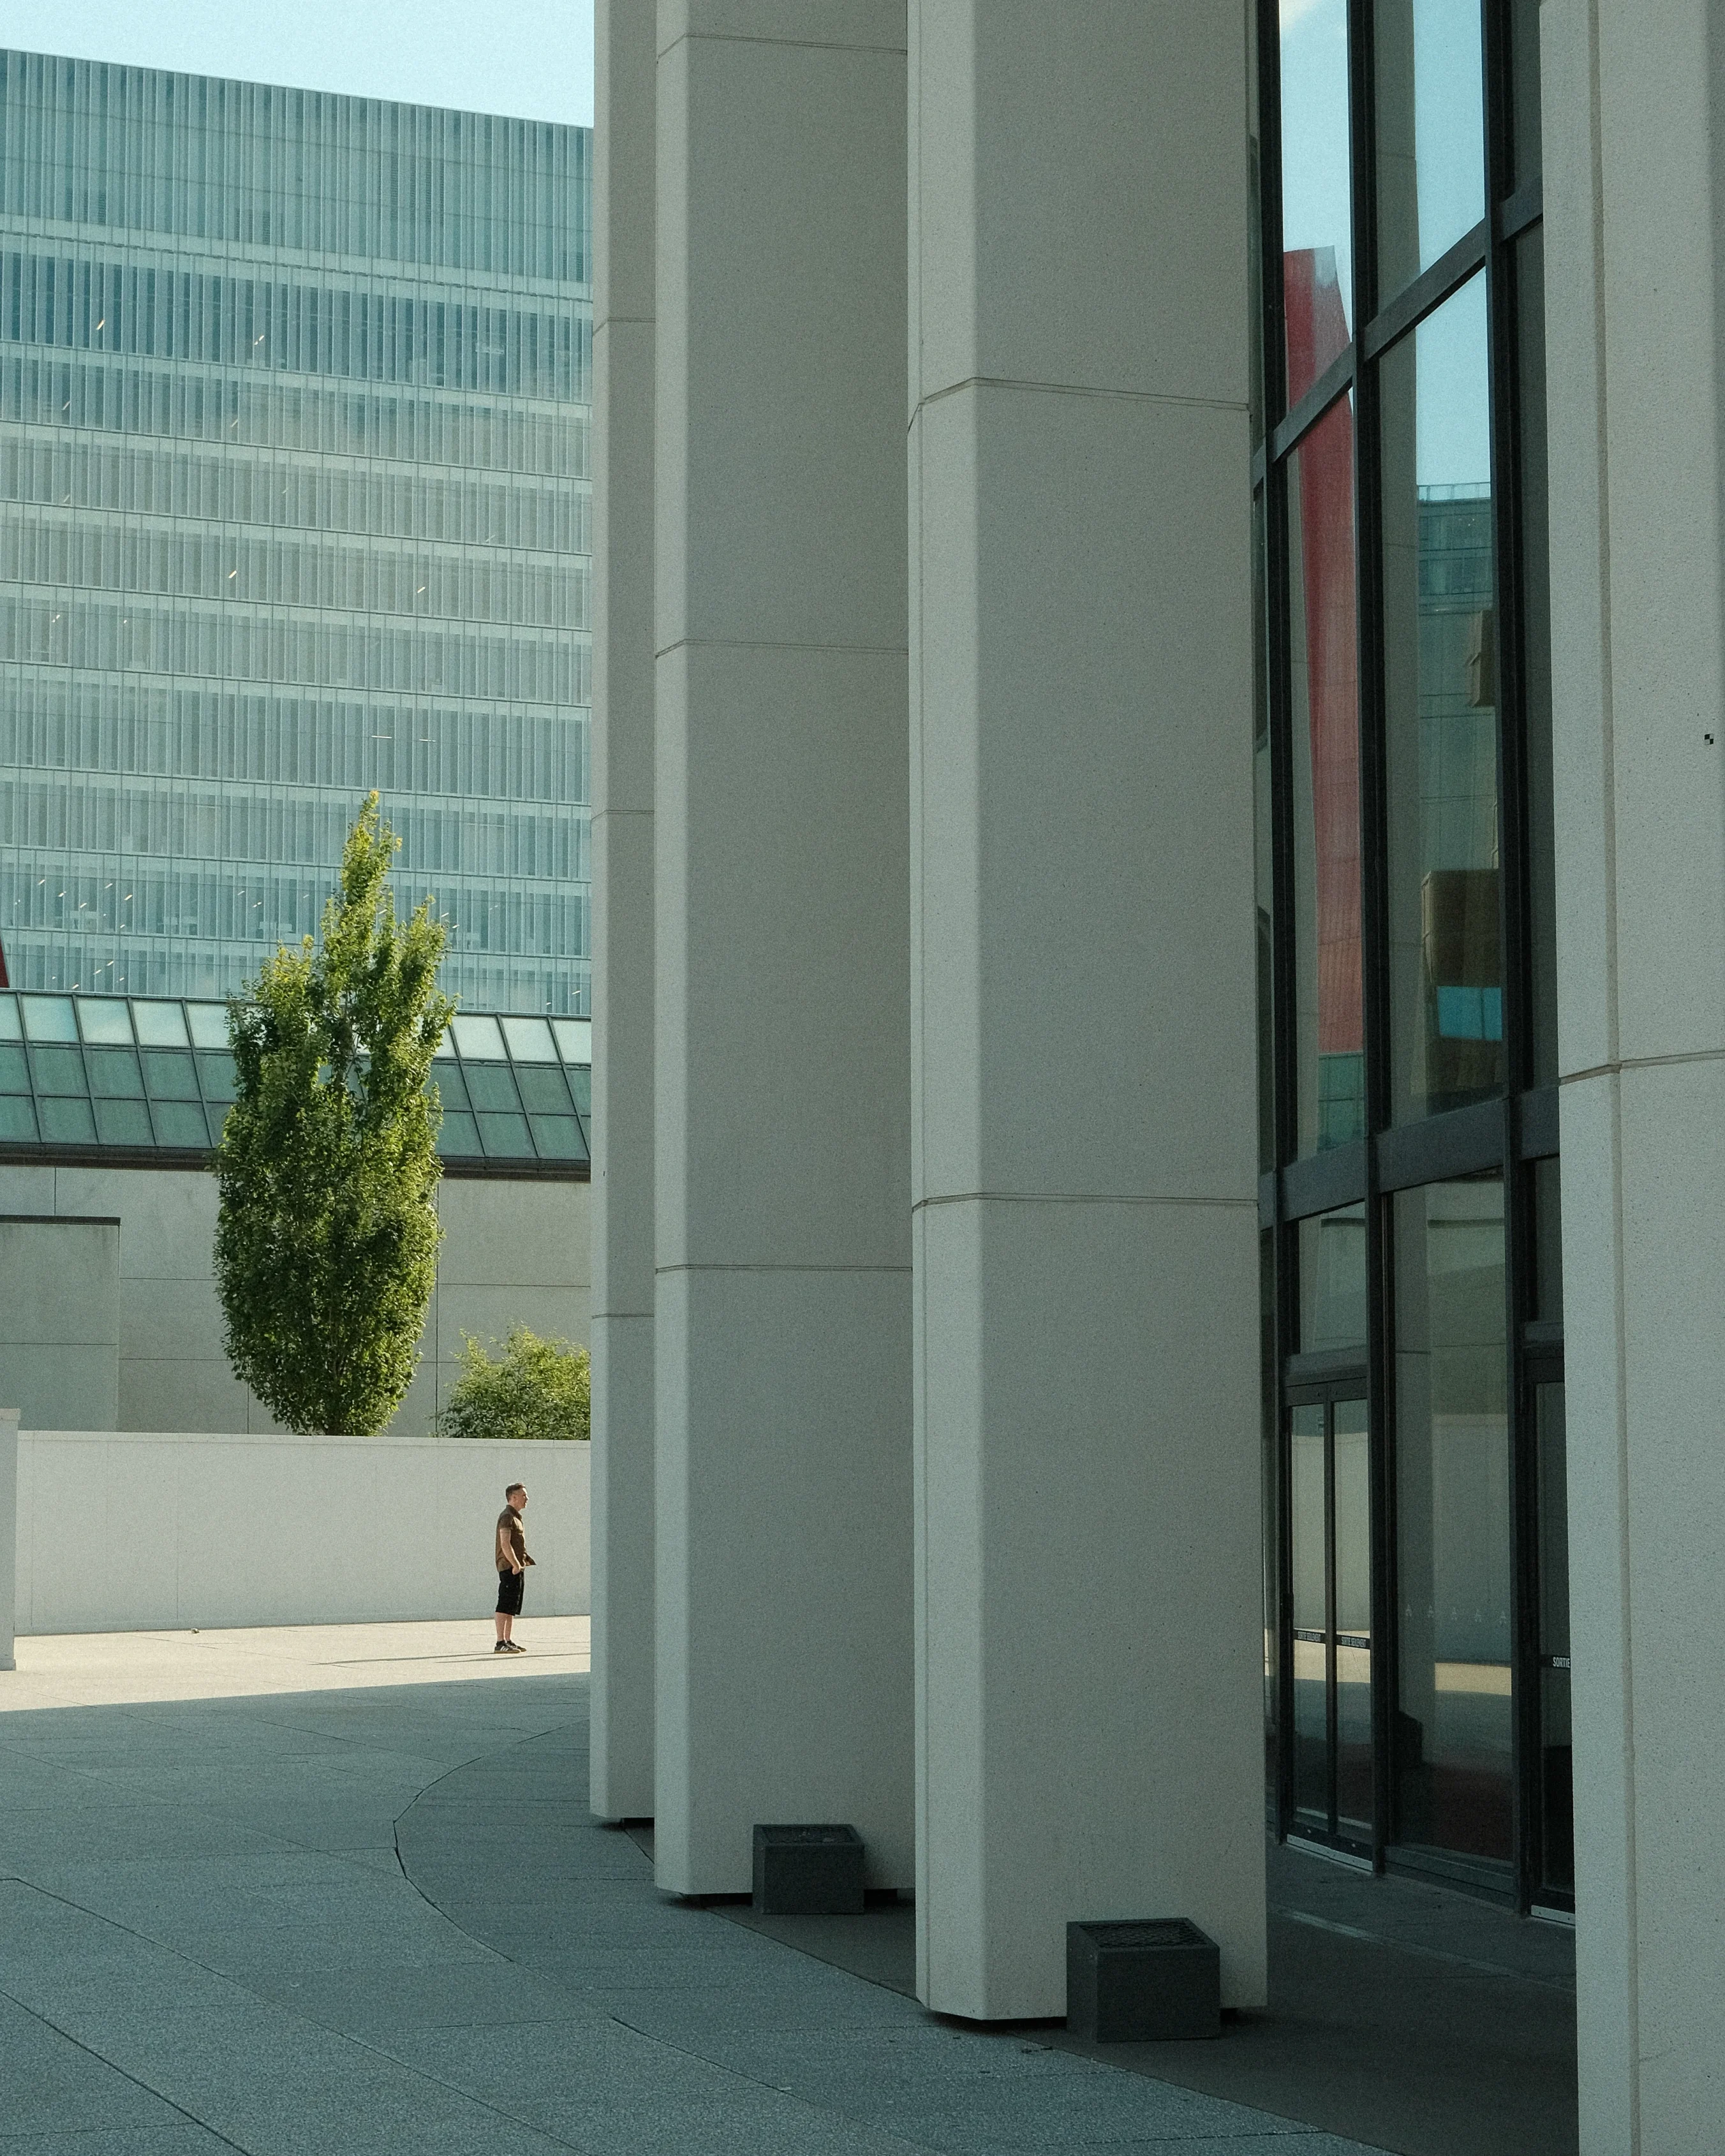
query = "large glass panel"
x=1431 y=133
x=1354 y=1621
x=210 y=1024
x=49 y=1018
x=1316 y=237
x=1263 y=830
x=1547 y=1297
x=1536 y=650
x=478 y=1036
x=159 y=1024
x=1441 y=696
x=530 y=1040
x=1453 y=1535
x=1524 y=89
x=1306 y=1508
x=1324 y=707
x=1556 y=1742
x=574 y=1038
x=1332 y=1279
x=105 y=1020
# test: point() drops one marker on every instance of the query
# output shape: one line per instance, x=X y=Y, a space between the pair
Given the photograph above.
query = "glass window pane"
x=123 y=1122
x=459 y=1135
x=530 y=1040
x=1312 y=1774
x=1535 y=649
x=58 y=1071
x=1557 y=1750
x=114 y=1074
x=216 y=1074
x=543 y=1092
x=491 y=1086
x=1317 y=247
x=17 y=1120
x=558 y=1137
x=14 y=1071
x=179 y=1123
x=1332 y=1279
x=49 y=1018
x=445 y=1047
x=1548 y=1240
x=1431 y=133
x=210 y=1024
x=1263 y=830
x=1453 y=1537
x=105 y=1021
x=506 y=1135
x=574 y=1038
x=478 y=1036
x=1524 y=89
x=159 y=1024
x=1440 y=693
x=10 y=1028
x=67 y=1122
x=451 y=1089
x=1353 y=1620
x=169 y=1077
x=1324 y=705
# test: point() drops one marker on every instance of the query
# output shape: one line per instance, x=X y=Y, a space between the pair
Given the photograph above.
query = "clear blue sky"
x=530 y=58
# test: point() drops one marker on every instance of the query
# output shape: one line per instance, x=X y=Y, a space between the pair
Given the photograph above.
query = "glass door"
x=1330 y=1572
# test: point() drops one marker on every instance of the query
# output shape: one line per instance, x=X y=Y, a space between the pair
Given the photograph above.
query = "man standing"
x=512 y=1562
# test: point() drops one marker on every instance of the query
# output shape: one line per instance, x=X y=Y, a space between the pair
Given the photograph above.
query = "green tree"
x=535 y=1389
x=327 y=1235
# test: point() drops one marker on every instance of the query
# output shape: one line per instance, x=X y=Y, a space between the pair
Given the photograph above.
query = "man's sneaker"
x=513 y=1647
x=501 y=1647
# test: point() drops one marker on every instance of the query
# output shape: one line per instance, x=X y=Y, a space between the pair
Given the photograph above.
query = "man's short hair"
x=514 y=1486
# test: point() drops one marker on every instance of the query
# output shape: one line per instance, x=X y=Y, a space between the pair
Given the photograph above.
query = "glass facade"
x=1418 y=1700
x=136 y=1079
x=294 y=393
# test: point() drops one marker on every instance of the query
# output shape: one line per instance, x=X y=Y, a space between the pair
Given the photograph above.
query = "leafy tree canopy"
x=535 y=1389
x=327 y=1235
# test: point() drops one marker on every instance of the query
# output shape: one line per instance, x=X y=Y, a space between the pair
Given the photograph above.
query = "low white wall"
x=135 y=1531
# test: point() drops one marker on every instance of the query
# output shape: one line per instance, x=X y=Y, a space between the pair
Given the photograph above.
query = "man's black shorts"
x=509 y=1592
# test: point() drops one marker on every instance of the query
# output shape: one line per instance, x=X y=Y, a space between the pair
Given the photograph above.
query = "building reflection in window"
x=1440 y=696
x=1454 y=1751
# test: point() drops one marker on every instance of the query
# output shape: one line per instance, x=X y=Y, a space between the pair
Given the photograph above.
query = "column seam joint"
x=775 y=643
x=1079 y=1198
x=1075 y=389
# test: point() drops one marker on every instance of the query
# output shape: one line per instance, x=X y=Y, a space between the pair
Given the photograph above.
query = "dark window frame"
x=1501 y=1135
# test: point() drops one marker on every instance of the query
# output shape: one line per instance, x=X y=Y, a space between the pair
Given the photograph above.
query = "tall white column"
x=1633 y=100
x=8 y=1534
x=625 y=37
x=1089 y=1609
x=782 y=1358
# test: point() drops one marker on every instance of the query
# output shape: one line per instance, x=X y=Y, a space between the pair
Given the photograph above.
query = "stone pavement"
x=336 y=1892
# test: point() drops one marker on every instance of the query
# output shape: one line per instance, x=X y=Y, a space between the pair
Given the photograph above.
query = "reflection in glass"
x=1354 y=1621
x=1548 y=1240
x=1556 y=1744
x=1535 y=651
x=1262 y=832
x=1312 y=1770
x=1332 y=1279
x=1431 y=133
x=1453 y=1729
x=1318 y=251
x=1324 y=703
x=1524 y=89
x=1440 y=695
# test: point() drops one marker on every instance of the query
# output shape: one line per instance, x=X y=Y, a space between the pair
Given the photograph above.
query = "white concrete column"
x=783 y=1388
x=8 y=1534
x=625 y=37
x=1089 y=1609
x=1633 y=100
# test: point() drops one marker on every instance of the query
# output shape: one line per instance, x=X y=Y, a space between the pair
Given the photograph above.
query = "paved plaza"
x=337 y=1892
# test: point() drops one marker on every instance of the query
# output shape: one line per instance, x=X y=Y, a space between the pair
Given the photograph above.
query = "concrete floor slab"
x=316 y=1892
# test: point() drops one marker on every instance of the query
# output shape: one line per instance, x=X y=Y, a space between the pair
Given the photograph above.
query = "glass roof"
x=153 y=1074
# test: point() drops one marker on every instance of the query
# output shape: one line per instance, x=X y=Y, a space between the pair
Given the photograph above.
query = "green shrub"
x=535 y=1389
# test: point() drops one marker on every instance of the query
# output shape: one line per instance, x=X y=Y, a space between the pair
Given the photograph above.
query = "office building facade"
x=294 y=504
x=1179 y=659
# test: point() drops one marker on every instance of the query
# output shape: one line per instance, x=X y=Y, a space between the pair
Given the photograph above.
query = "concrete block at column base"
x=1157 y=1980
x=808 y=1871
